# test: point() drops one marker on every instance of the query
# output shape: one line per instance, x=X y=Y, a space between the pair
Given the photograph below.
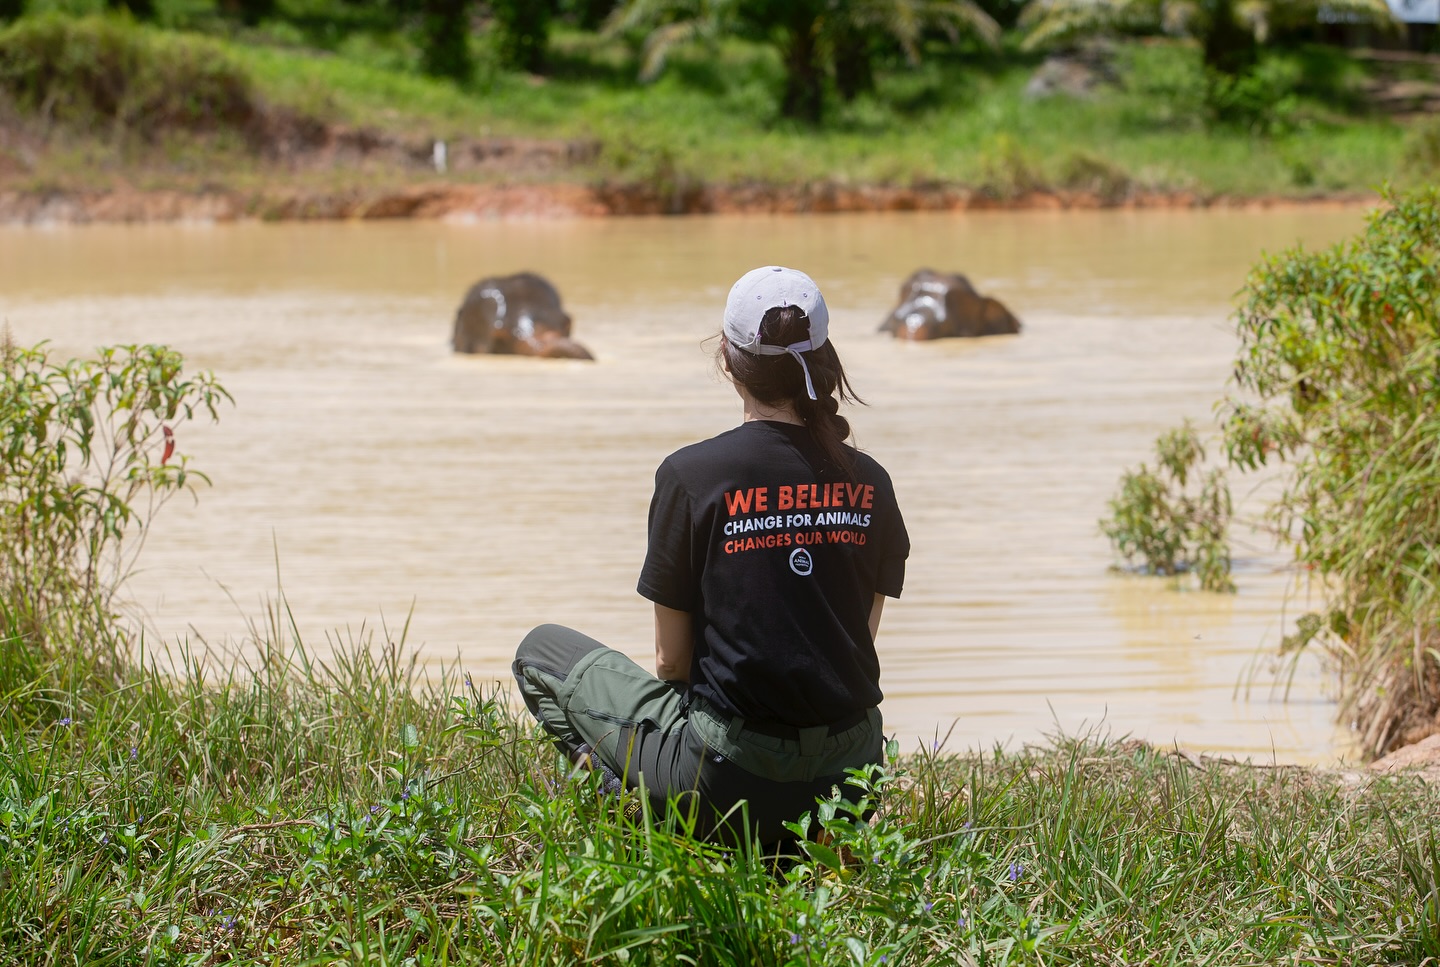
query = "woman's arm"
x=673 y=645
x=875 y=610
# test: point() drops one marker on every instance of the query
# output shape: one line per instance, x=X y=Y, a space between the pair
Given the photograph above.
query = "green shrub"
x=1168 y=85
x=445 y=39
x=522 y=33
x=1338 y=374
x=103 y=70
x=87 y=456
x=1164 y=85
x=1168 y=526
x=1421 y=159
x=1262 y=99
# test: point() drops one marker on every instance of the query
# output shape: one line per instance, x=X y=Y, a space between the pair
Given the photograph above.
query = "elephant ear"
x=998 y=320
x=965 y=310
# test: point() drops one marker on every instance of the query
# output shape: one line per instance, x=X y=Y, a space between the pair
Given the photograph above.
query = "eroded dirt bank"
x=440 y=200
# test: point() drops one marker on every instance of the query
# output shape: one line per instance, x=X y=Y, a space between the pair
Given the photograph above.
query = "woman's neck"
x=755 y=410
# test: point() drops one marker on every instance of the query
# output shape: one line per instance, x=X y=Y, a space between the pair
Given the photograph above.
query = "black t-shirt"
x=777 y=556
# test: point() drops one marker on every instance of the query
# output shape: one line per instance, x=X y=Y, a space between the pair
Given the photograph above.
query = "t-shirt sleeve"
x=890 y=580
x=667 y=576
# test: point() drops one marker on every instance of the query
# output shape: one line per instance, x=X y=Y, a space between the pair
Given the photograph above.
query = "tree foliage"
x=445 y=39
x=141 y=9
x=1227 y=30
x=819 y=41
x=250 y=12
x=522 y=33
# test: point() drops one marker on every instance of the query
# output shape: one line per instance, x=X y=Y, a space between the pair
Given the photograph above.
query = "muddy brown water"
x=475 y=497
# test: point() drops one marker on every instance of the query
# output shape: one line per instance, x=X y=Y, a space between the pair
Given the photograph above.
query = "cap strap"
x=809 y=386
x=794 y=349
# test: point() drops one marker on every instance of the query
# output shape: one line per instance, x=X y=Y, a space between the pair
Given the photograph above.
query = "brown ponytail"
x=779 y=380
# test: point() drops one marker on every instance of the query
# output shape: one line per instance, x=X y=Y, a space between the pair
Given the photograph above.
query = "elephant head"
x=515 y=315
x=940 y=305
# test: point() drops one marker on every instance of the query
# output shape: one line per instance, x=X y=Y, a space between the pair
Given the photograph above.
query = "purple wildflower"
x=134 y=752
x=66 y=721
x=1015 y=870
x=929 y=905
x=961 y=922
x=794 y=938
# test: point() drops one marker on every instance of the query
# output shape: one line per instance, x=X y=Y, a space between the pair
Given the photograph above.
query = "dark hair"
x=778 y=380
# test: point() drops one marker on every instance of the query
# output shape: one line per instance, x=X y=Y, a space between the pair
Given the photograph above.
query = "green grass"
x=960 y=118
x=715 y=119
x=347 y=810
x=276 y=806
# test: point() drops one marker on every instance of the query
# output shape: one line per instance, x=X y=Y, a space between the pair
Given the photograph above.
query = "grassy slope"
x=713 y=118
x=299 y=813
x=958 y=119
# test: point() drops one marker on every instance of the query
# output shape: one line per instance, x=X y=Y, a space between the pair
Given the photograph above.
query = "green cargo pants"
x=731 y=780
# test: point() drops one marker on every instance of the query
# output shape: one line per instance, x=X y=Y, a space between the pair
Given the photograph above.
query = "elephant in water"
x=938 y=305
x=518 y=315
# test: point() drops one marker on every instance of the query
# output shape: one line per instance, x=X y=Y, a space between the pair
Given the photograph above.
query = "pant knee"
x=554 y=648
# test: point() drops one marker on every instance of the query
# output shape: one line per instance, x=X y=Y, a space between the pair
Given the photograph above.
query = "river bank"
x=279 y=132
x=464 y=202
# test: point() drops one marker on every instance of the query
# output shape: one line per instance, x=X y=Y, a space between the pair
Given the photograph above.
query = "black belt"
x=778 y=730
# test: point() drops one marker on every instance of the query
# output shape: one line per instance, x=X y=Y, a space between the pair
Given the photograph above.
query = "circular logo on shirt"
x=801 y=562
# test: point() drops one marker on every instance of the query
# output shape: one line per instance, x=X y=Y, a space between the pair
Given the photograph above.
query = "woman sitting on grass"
x=771 y=549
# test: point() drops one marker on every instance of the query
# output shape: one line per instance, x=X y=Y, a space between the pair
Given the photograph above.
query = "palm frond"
x=670 y=23
x=905 y=21
x=1181 y=18
x=659 y=44
x=1255 y=16
x=963 y=16
x=1057 y=22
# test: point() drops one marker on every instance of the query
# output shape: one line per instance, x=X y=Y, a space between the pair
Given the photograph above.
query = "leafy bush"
x=99 y=70
x=1422 y=150
x=1168 y=85
x=1338 y=376
x=87 y=456
x=1339 y=367
x=522 y=33
x=1261 y=99
x=1164 y=85
x=1167 y=525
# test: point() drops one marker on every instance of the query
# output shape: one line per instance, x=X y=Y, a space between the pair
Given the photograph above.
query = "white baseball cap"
x=770 y=287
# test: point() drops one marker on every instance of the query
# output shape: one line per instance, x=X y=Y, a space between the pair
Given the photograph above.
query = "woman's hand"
x=673 y=644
